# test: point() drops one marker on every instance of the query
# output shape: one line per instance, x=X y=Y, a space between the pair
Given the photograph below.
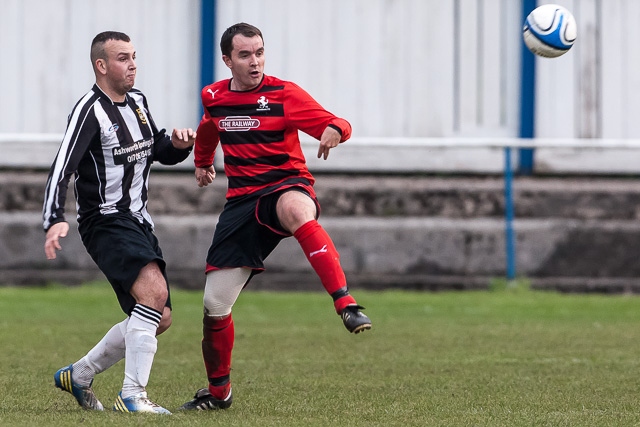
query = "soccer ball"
x=549 y=31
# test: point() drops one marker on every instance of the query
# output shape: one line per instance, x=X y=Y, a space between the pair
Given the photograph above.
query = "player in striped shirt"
x=270 y=194
x=109 y=146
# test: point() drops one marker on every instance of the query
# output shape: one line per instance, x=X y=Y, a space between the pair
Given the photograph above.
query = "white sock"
x=108 y=351
x=141 y=345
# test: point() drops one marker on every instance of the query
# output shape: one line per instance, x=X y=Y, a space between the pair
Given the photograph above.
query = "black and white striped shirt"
x=110 y=148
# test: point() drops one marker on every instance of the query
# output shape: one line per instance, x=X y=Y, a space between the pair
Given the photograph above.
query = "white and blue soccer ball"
x=549 y=31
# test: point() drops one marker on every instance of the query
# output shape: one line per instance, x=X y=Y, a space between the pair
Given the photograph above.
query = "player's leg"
x=150 y=292
x=165 y=322
x=220 y=294
x=78 y=377
x=106 y=353
x=127 y=252
x=297 y=214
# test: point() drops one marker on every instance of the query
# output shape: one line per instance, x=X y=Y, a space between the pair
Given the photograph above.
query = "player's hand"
x=52 y=241
x=183 y=138
x=330 y=138
x=205 y=176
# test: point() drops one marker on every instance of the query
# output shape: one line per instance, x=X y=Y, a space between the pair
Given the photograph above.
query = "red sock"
x=325 y=260
x=217 y=343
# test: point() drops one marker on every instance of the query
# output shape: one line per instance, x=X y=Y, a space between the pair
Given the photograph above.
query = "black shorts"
x=248 y=230
x=121 y=246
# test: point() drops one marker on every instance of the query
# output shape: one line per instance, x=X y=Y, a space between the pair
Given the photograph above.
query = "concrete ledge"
x=410 y=252
x=382 y=196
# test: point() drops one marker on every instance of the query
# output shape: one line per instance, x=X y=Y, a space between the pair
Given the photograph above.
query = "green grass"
x=502 y=358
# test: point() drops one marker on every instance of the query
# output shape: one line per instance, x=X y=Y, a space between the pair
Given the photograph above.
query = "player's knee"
x=161 y=293
x=295 y=209
x=150 y=288
x=157 y=297
x=214 y=307
x=222 y=289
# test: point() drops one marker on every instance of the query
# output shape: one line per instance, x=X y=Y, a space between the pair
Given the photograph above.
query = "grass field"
x=438 y=359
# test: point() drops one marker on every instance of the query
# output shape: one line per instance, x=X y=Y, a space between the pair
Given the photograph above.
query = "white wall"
x=409 y=68
x=394 y=68
x=45 y=66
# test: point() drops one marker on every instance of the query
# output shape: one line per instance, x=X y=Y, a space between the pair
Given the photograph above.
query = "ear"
x=101 y=66
x=227 y=60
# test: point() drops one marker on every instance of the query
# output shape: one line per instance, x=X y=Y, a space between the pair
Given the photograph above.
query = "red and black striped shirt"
x=258 y=130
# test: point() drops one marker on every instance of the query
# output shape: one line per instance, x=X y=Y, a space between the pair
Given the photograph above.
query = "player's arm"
x=205 y=176
x=306 y=114
x=169 y=150
x=81 y=130
x=331 y=137
x=52 y=239
x=207 y=138
x=183 y=139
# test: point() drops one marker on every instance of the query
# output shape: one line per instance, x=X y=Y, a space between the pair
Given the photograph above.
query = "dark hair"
x=247 y=30
x=97 y=45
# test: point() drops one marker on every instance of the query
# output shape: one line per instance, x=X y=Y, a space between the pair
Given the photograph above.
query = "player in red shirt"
x=270 y=194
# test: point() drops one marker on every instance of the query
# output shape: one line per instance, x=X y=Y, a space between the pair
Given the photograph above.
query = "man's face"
x=120 y=66
x=246 y=62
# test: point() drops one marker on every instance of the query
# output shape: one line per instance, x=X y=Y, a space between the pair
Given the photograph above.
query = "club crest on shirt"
x=263 y=104
x=143 y=118
x=238 y=123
